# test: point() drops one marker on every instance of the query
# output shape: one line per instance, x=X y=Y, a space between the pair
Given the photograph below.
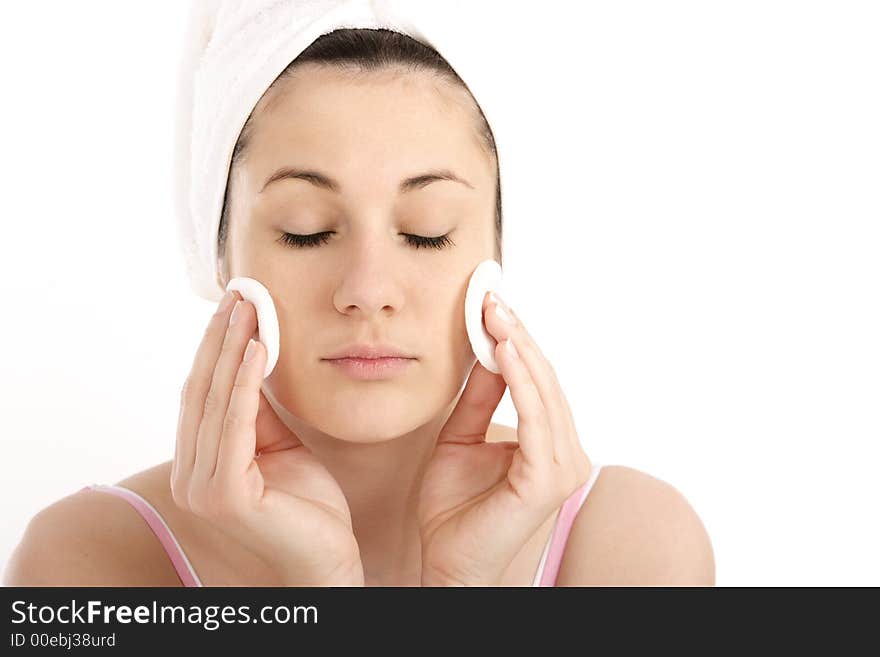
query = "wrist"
x=431 y=581
x=439 y=577
x=348 y=575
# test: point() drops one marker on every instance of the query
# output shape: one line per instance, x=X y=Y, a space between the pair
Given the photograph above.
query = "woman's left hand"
x=481 y=501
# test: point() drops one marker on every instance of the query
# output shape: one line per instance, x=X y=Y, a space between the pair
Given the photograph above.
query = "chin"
x=370 y=416
x=353 y=414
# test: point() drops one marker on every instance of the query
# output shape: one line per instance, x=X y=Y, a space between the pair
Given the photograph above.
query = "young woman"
x=363 y=190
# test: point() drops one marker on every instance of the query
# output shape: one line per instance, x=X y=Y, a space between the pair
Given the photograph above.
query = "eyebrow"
x=326 y=182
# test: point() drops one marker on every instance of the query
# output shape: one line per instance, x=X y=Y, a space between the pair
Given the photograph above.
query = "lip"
x=368 y=369
x=371 y=351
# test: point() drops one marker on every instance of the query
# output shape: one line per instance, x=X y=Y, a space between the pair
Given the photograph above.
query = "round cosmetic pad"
x=267 y=319
x=486 y=277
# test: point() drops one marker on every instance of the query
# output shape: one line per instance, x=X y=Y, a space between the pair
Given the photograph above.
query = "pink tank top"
x=548 y=568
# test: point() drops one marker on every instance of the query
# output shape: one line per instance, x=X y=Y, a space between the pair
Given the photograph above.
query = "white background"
x=693 y=239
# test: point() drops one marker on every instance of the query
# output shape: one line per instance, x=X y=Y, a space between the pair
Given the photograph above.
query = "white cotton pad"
x=486 y=277
x=267 y=319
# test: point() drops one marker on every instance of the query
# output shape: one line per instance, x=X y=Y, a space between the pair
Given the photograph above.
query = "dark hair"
x=367 y=50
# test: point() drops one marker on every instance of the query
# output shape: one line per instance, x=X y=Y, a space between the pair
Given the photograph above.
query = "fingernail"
x=510 y=348
x=236 y=312
x=499 y=310
x=251 y=350
x=226 y=301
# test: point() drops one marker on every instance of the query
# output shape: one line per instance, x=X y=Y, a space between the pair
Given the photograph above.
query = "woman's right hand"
x=238 y=466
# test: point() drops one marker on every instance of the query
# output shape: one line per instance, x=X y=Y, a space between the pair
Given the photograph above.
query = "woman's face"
x=365 y=282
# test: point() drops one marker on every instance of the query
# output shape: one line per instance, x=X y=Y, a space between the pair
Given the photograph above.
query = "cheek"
x=298 y=329
x=449 y=339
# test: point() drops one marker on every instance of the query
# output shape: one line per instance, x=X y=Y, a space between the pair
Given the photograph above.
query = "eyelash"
x=316 y=239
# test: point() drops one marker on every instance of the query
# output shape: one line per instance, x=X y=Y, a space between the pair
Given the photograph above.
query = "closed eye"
x=317 y=239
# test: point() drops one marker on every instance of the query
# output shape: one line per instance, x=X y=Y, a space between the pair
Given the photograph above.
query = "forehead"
x=391 y=118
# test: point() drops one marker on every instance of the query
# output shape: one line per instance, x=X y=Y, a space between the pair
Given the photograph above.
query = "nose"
x=370 y=282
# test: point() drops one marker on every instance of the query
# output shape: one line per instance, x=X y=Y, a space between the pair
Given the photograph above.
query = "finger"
x=240 y=329
x=472 y=415
x=554 y=380
x=542 y=375
x=576 y=453
x=195 y=390
x=272 y=433
x=571 y=435
x=532 y=423
x=239 y=436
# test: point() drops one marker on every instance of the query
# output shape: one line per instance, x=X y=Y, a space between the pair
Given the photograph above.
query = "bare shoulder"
x=636 y=530
x=633 y=530
x=88 y=538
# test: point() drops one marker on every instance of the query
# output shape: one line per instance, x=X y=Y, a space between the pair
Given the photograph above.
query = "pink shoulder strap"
x=548 y=569
x=169 y=542
x=551 y=559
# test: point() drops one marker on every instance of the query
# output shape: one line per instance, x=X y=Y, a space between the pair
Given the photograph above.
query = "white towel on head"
x=232 y=52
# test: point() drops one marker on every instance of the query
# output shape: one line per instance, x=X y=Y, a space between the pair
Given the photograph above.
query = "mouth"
x=366 y=369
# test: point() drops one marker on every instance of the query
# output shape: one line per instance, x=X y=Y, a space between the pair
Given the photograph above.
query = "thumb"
x=472 y=415
x=272 y=433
